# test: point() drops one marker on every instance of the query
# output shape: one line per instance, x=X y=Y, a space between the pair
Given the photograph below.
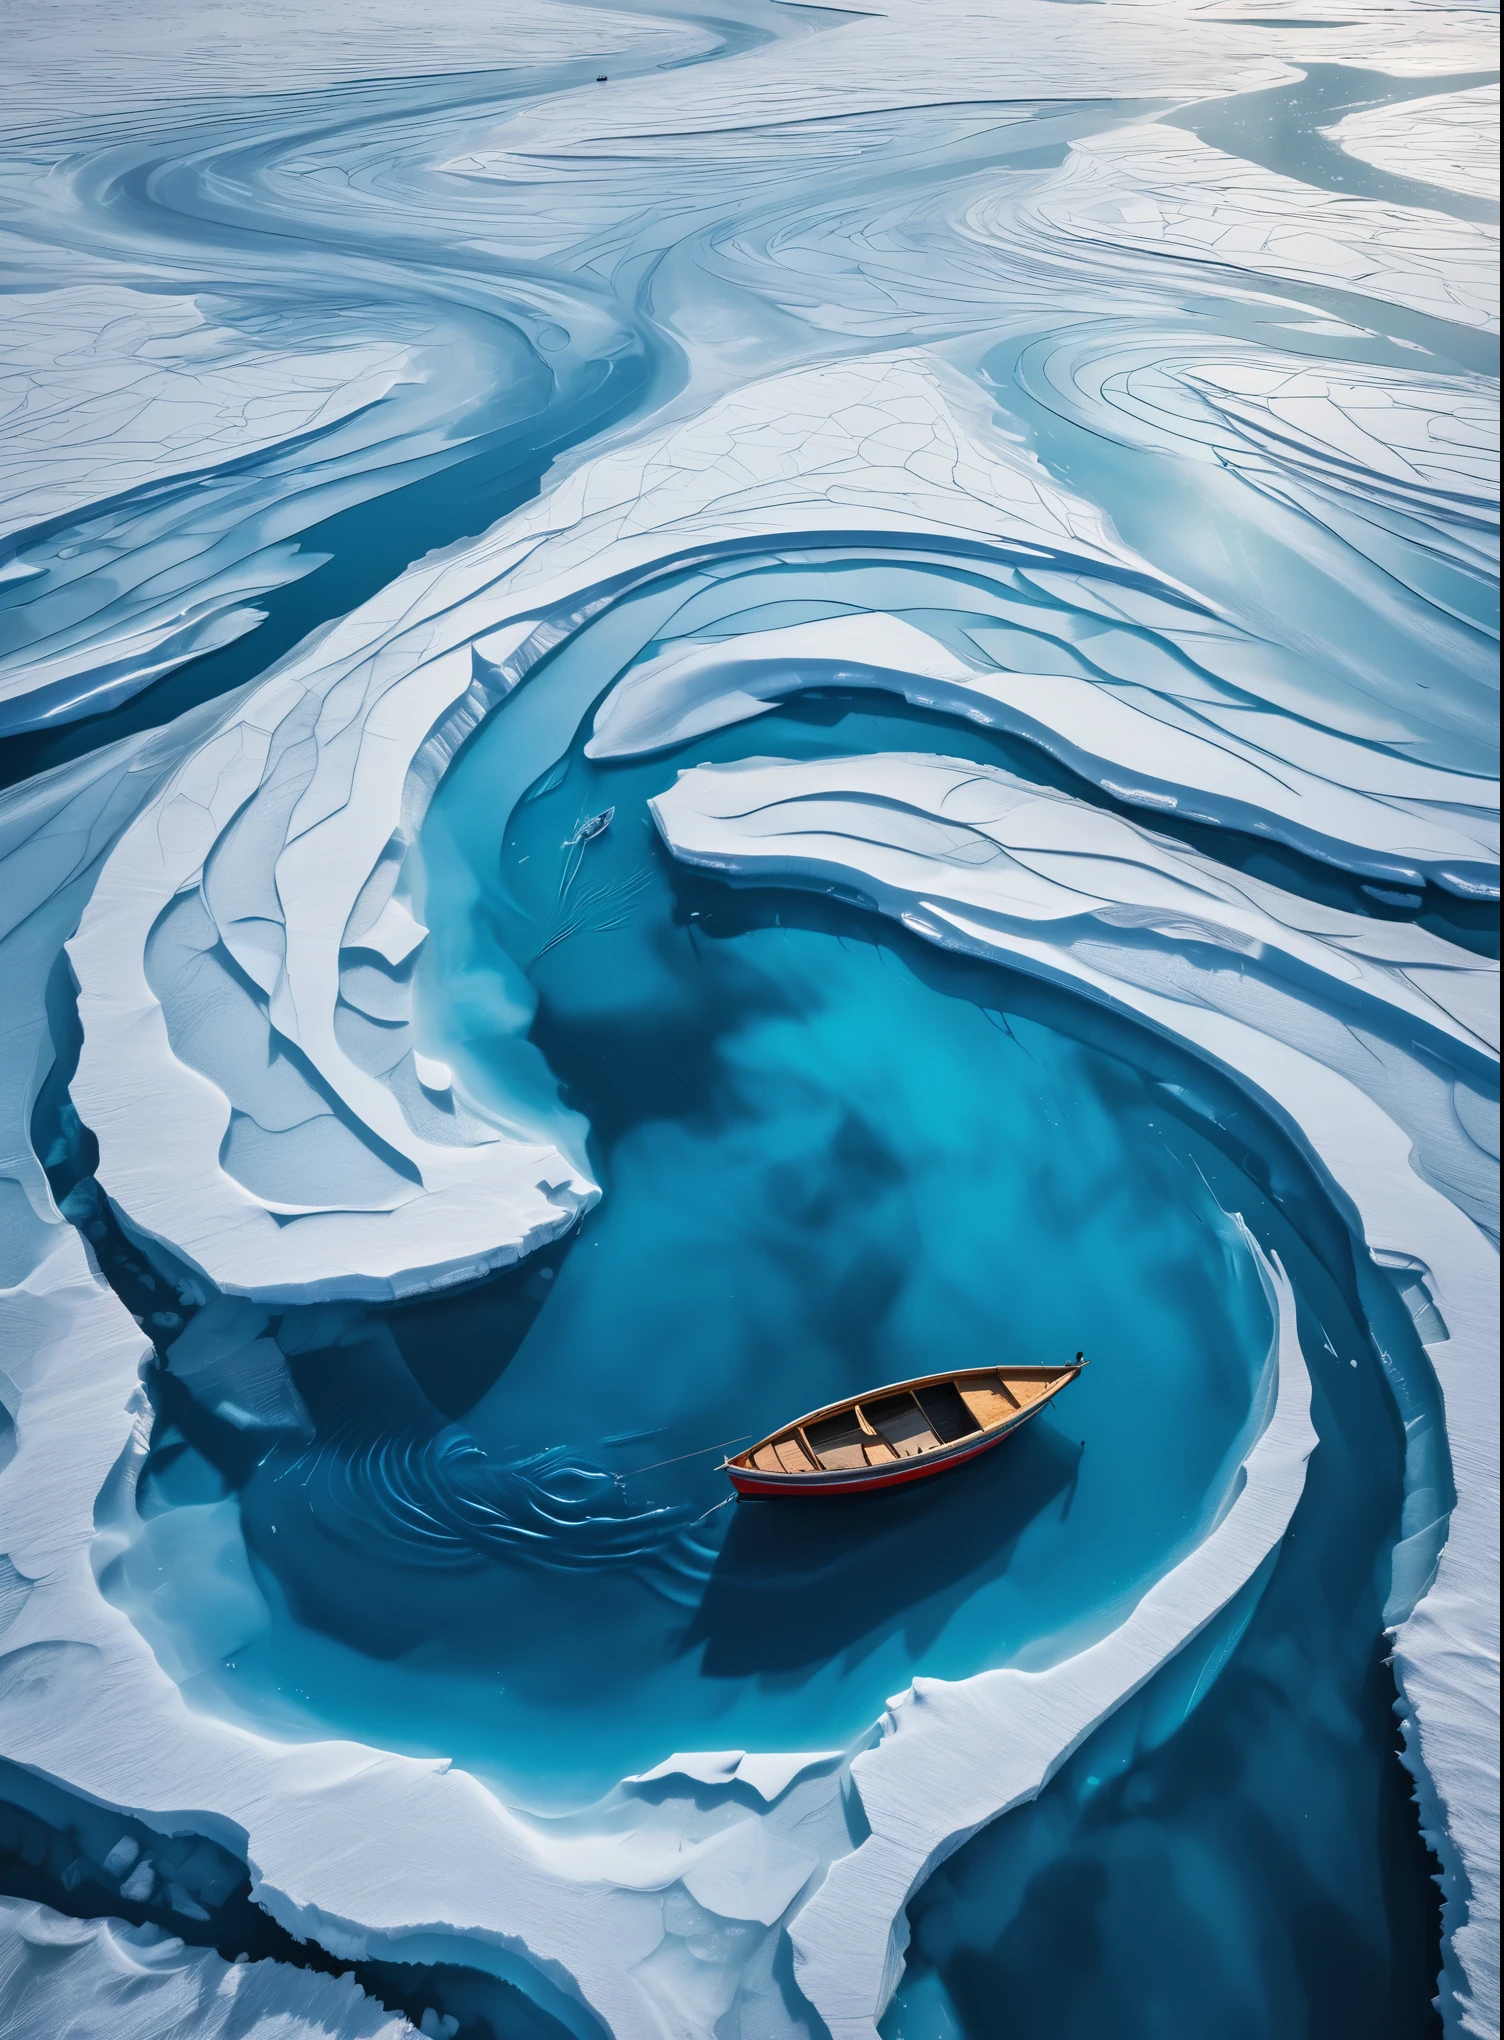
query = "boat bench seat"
x=837 y=1442
x=783 y=1455
x=900 y=1420
x=946 y=1409
x=928 y=1416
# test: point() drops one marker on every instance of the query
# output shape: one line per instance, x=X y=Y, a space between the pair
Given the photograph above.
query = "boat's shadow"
x=798 y=1582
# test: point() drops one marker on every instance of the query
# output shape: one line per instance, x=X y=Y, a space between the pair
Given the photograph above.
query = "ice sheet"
x=1292 y=644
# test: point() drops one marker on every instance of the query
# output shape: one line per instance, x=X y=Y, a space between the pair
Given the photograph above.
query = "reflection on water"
x=797 y=1583
x=1235 y=1851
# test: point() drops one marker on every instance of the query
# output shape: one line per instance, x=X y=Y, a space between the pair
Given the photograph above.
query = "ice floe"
x=159 y=456
x=1172 y=739
x=1451 y=139
x=262 y=1020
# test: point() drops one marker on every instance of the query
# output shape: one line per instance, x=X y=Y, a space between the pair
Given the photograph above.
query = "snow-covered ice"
x=887 y=359
x=1155 y=190
x=1451 y=139
x=140 y=1984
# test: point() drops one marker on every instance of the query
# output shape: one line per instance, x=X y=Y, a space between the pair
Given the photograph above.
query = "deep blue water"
x=1250 y=1868
x=822 y=1168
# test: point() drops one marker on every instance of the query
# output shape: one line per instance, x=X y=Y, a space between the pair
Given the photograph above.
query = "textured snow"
x=1377 y=813
x=247 y=1123
x=103 y=1980
x=1158 y=191
x=975 y=838
x=266 y=410
x=156 y=389
x=106 y=394
x=1353 y=439
x=218 y=49
x=923 y=52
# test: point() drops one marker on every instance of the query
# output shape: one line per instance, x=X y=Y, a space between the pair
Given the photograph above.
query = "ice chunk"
x=121 y=1857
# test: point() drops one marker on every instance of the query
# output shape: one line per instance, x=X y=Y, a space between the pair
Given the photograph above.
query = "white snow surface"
x=218 y=49
x=909 y=53
x=310 y=782
x=155 y=390
x=104 y=1980
x=108 y=393
x=1184 y=744
x=239 y=889
x=1157 y=190
x=282 y=394
x=1349 y=441
x=1451 y=139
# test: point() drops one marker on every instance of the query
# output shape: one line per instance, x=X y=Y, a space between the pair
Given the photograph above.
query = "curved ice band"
x=388 y=695
x=292 y=824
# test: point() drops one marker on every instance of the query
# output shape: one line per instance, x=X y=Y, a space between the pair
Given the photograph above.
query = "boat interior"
x=907 y=1422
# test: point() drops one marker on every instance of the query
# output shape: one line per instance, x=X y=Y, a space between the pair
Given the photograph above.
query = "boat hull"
x=753 y=1482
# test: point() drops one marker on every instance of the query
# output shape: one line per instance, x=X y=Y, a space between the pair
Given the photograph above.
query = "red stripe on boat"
x=835 y=1484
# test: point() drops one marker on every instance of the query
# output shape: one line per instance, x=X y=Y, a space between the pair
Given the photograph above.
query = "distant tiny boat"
x=909 y=1431
x=591 y=827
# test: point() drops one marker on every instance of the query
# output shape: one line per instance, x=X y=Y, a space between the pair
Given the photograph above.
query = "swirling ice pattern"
x=280 y=403
x=927 y=364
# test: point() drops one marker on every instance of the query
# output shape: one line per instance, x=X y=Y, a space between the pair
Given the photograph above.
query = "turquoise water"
x=827 y=1161
x=1160 y=1884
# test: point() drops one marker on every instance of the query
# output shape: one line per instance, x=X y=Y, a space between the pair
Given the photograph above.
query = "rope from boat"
x=679 y=1456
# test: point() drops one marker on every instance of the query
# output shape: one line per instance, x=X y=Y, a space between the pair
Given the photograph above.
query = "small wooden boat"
x=909 y=1431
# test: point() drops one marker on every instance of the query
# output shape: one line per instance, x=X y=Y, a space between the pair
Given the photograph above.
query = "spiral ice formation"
x=792 y=361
